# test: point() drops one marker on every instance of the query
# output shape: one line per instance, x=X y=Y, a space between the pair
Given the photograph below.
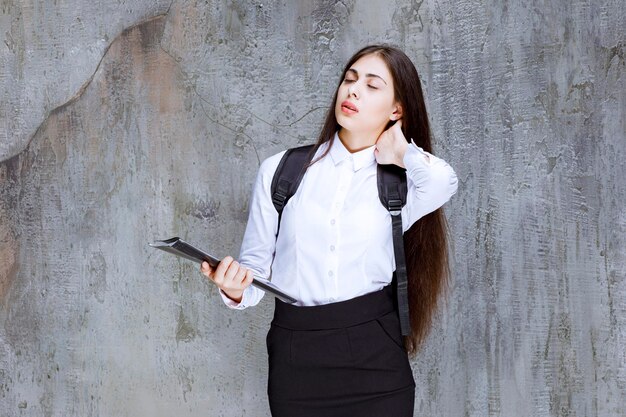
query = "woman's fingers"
x=384 y=147
x=221 y=270
x=240 y=276
x=235 y=276
x=391 y=145
x=206 y=268
x=232 y=270
x=229 y=274
x=248 y=278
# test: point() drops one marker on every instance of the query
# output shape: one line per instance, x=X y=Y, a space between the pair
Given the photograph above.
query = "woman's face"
x=365 y=99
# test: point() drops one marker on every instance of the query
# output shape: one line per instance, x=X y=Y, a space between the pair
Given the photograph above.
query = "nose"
x=352 y=90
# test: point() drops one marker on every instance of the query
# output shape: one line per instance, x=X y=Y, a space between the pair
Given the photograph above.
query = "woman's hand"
x=391 y=146
x=229 y=276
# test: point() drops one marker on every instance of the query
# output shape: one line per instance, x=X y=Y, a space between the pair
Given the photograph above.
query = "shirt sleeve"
x=250 y=297
x=431 y=183
x=259 y=241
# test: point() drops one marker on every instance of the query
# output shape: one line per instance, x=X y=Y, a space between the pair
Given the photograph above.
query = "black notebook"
x=183 y=249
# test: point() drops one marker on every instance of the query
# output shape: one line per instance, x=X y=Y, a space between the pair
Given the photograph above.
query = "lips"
x=348 y=107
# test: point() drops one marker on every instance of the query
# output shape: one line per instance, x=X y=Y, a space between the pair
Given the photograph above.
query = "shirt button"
x=332 y=221
x=330 y=273
x=332 y=248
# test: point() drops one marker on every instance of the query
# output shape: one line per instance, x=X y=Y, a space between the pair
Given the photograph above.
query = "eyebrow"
x=367 y=75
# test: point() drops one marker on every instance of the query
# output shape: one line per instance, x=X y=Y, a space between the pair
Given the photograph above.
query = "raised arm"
x=430 y=180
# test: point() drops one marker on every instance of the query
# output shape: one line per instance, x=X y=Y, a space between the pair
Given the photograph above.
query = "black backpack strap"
x=392 y=190
x=288 y=176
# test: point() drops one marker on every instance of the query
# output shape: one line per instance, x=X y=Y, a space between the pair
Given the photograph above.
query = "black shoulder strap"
x=392 y=190
x=392 y=186
x=288 y=176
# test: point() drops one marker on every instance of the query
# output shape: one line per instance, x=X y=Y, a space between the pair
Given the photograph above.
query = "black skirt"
x=340 y=359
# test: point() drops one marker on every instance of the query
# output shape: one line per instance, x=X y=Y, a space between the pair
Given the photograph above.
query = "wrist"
x=236 y=296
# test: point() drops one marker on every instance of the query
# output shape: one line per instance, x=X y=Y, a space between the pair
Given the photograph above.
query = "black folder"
x=179 y=247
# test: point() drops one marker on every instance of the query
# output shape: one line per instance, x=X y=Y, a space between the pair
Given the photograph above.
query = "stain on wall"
x=8 y=255
x=150 y=121
x=49 y=51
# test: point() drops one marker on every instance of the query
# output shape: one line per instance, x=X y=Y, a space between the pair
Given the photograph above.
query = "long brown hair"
x=425 y=243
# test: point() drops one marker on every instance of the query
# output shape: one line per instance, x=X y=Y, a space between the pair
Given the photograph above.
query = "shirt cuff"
x=415 y=155
x=232 y=304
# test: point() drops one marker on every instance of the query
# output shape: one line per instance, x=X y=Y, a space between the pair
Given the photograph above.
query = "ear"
x=397 y=113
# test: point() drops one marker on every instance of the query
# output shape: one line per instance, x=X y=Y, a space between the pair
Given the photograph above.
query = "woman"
x=339 y=350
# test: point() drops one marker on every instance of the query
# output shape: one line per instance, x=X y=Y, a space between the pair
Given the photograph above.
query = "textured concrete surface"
x=49 y=50
x=112 y=138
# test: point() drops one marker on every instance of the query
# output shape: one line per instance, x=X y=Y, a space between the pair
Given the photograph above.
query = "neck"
x=355 y=142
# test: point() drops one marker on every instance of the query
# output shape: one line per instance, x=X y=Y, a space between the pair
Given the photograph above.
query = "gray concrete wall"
x=125 y=122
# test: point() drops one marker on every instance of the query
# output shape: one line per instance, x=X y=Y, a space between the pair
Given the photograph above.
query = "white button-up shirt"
x=335 y=241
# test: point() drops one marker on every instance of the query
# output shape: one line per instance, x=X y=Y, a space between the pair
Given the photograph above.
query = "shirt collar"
x=358 y=160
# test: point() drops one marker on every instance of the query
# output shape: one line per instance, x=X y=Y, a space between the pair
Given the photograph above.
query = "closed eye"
x=372 y=87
